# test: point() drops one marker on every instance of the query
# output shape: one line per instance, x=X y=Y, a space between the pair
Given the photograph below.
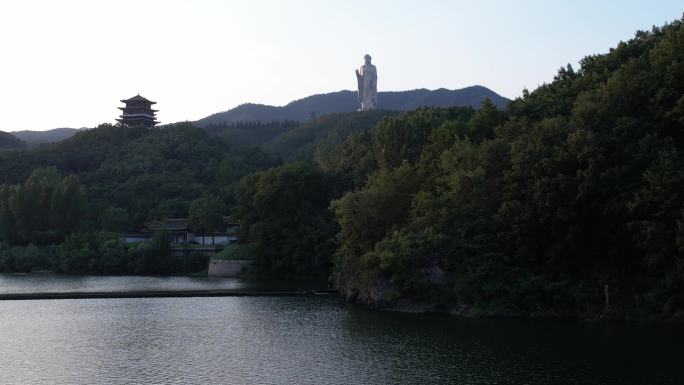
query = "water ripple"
x=314 y=340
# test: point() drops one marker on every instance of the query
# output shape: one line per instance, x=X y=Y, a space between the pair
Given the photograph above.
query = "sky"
x=69 y=63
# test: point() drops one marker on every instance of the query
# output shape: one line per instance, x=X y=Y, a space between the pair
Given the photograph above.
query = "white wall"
x=206 y=240
x=134 y=239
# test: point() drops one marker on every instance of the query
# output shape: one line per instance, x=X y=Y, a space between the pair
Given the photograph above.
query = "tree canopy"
x=574 y=186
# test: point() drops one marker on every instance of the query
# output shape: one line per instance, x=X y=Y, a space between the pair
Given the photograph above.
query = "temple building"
x=138 y=112
x=182 y=234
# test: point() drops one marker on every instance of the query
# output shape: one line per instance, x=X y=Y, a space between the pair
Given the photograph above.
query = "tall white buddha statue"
x=367 y=78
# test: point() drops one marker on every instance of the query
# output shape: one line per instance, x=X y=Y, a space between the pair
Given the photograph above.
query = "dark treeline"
x=570 y=201
x=243 y=135
x=10 y=142
x=293 y=141
x=100 y=252
x=323 y=133
x=44 y=209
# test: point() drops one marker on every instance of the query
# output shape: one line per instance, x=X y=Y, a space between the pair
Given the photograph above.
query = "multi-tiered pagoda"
x=138 y=112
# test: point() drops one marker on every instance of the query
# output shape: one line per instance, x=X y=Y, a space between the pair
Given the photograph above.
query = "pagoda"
x=138 y=112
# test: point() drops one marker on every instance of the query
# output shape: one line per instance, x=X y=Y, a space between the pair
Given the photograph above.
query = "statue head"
x=367 y=59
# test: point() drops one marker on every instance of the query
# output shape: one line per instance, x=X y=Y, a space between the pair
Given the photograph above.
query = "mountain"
x=289 y=140
x=346 y=101
x=302 y=141
x=34 y=138
x=10 y=142
x=250 y=134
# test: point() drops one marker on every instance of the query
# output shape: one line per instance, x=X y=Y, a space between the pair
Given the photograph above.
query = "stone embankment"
x=226 y=268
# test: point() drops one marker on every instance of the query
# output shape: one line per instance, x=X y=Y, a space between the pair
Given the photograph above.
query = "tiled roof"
x=138 y=98
x=178 y=224
x=168 y=224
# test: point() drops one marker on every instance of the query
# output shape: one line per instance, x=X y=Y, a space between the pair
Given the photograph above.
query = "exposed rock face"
x=433 y=275
x=385 y=296
x=378 y=296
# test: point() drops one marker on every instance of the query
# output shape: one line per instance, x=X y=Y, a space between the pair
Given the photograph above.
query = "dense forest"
x=569 y=201
x=245 y=134
x=36 y=138
x=10 y=142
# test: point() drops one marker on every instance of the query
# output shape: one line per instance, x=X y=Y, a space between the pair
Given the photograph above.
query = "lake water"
x=305 y=340
x=42 y=283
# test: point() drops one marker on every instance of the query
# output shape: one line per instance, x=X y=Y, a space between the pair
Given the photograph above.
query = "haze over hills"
x=34 y=138
x=304 y=109
x=346 y=101
x=10 y=142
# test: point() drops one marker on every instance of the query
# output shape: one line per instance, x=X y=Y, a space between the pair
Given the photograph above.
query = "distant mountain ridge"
x=346 y=101
x=34 y=138
x=312 y=106
x=10 y=142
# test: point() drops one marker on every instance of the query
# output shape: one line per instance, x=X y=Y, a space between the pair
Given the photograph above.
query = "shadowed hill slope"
x=10 y=142
x=34 y=138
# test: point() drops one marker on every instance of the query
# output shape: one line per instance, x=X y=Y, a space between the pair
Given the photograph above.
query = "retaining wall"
x=226 y=268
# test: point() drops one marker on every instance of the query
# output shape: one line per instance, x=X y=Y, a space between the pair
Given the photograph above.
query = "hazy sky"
x=68 y=63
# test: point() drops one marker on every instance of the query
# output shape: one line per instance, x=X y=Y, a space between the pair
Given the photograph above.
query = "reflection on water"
x=41 y=283
x=316 y=340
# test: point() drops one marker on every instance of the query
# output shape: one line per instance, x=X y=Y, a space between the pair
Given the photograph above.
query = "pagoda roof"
x=173 y=224
x=133 y=108
x=138 y=98
x=138 y=120
x=137 y=116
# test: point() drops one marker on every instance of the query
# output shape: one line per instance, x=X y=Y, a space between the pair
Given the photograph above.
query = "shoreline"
x=162 y=294
x=467 y=311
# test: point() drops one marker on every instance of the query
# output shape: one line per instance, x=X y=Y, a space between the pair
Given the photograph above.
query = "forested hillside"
x=147 y=173
x=569 y=202
x=250 y=134
x=291 y=141
x=325 y=132
x=10 y=142
x=35 y=138
x=82 y=192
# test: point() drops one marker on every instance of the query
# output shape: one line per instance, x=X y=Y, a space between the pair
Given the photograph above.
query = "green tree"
x=206 y=215
x=283 y=213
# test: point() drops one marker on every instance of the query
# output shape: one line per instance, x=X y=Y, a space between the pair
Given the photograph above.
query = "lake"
x=305 y=340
